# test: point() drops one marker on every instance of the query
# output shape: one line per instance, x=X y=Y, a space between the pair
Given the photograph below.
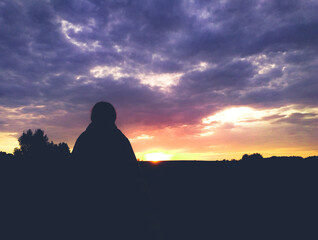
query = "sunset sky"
x=189 y=79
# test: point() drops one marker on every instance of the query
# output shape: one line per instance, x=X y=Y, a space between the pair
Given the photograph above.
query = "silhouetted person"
x=108 y=191
x=103 y=141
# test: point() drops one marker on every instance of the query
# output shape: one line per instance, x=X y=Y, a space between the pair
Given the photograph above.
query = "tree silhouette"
x=254 y=156
x=5 y=156
x=31 y=143
x=37 y=146
x=59 y=151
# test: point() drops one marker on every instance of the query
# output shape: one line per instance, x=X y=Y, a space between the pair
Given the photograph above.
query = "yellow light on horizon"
x=157 y=156
x=8 y=141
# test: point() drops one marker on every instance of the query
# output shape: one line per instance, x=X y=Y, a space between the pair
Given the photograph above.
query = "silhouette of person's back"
x=107 y=187
x=104 y=144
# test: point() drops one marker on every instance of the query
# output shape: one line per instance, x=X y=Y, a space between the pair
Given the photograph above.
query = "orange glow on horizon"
x=155 y=162
x=226 y=134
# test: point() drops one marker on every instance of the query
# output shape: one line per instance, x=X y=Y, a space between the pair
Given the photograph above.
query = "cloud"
x=142 y=137
x=302 y=119
x=161 y=63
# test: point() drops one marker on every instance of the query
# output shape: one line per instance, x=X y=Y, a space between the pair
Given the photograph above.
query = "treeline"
x=256 y=157
x=36 y=146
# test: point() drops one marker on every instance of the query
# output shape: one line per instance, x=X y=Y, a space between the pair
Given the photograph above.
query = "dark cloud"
x=166 y=66
x=228 y=75
x=273 y=117
x=257 y=53
x=302 y=119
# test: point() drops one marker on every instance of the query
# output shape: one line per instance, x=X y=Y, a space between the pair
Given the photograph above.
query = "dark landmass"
x=272 y=198
x=275 y=198
x=44 y=195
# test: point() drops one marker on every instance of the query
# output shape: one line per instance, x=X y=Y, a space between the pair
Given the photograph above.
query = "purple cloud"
x=255 y=53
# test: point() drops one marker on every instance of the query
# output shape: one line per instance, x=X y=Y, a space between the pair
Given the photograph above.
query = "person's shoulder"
x=78 y=146
x=83 y=139
x=122 y=136
x=82 y=136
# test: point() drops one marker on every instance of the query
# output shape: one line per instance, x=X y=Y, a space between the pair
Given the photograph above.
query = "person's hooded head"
x=103 y=113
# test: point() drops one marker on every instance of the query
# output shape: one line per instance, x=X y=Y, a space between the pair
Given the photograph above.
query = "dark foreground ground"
x=236 y=200
x=267 y=199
